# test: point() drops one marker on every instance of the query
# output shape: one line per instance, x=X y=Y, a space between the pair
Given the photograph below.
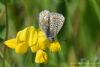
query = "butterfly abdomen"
x=49 y=35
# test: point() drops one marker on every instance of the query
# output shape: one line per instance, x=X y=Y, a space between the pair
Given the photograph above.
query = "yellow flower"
x=22 y=41
x=19 y=43
x=41 y=57
x=42 y=40
x=54 y=46
x=36 y=40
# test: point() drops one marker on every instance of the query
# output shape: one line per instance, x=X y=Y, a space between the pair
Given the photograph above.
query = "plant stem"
x=6 y=12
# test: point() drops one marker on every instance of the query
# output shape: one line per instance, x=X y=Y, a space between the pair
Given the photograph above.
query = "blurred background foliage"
x=79 y=37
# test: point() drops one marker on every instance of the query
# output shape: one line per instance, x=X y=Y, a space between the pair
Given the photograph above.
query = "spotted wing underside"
x=56 y=22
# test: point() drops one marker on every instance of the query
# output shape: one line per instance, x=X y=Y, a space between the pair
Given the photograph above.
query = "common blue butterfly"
x=50 y=23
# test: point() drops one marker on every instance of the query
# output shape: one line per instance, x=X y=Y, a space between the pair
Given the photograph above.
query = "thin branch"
x=6 y=12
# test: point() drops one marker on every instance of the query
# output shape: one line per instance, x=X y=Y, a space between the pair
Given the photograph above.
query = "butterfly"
x=50 y=23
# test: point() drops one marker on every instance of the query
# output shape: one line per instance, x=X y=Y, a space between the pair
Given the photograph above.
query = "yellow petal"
x=32 y=36
x=18 y=36
x=11 y=43
x=42 y=40
x=24 y=34
x=54 y=46
x=42 y=43
x=41 y=33
x=41 y=57
x=34 y=48
x=21 y=48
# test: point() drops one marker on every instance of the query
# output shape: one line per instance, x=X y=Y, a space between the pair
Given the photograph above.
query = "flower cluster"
x=34 y=39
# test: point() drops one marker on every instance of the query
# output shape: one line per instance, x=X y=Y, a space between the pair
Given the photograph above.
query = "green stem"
x=4 y=54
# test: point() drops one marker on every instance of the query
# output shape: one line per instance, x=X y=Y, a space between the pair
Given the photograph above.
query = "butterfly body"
x=50 y=23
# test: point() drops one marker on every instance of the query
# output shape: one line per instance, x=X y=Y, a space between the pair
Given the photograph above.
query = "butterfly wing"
x=44 y=20
x=56 y=22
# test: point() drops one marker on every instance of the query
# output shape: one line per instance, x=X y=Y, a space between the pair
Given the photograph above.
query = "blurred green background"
x=79 y=37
